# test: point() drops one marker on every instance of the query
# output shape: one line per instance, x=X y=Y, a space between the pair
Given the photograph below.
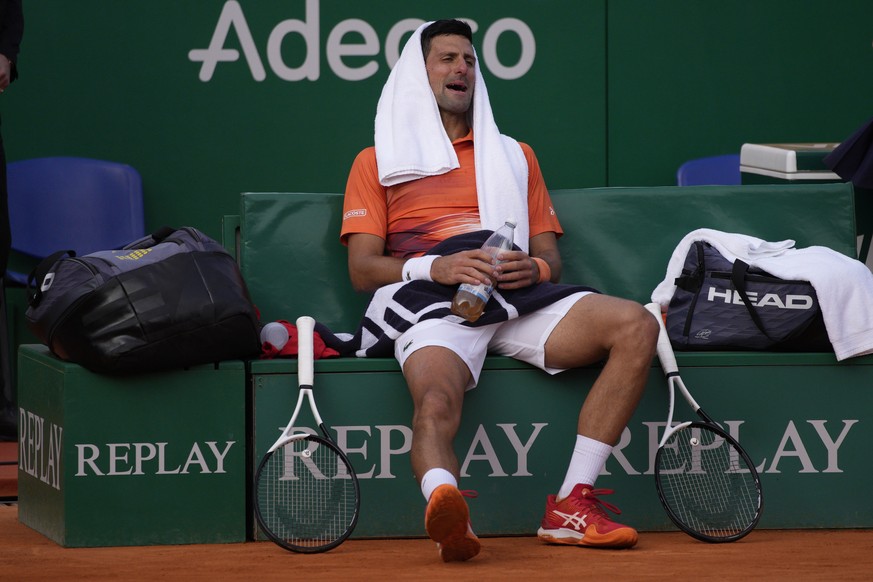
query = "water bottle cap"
x=511 y=221
x=275 y=334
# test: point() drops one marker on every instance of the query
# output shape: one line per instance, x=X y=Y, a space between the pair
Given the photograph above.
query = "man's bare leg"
x=437 y=380
x=624 y=333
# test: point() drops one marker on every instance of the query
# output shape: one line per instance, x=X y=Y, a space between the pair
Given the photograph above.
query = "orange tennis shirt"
x=414 y=216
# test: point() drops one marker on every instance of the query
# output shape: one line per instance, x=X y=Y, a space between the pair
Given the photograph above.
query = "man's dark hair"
x=440 y=27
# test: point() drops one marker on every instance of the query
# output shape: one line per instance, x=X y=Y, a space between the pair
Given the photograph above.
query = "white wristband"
x=418 y=269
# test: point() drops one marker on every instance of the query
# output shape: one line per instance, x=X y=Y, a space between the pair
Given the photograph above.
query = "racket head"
x=307 y=495
x=708 y=484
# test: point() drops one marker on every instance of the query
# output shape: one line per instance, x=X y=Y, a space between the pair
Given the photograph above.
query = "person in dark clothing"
x=11 y=31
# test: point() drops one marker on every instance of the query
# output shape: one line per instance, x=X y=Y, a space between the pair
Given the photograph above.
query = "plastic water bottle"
x=469 y=301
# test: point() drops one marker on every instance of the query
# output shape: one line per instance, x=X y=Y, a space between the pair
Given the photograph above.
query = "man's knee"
x=638 y=329
x=625 y=327
x=437 y=408
x=437 y=379
x=439 y=403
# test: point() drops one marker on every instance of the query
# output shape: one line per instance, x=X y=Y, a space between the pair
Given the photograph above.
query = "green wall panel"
x=517 y=432
x=116 y=80
x=121 y=461
x=617 y=92
x=690 y=79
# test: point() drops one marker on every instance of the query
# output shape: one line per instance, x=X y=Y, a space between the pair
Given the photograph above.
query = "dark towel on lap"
x=395 y=308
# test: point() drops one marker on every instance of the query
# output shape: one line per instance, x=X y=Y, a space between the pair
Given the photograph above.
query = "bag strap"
x=692 y=281
x=150 y=240
x=738 y=277
x=33 y=289
x=162 y=233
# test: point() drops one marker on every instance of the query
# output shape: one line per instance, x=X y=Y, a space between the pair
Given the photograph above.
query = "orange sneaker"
x=579 y=520
x=447 y=522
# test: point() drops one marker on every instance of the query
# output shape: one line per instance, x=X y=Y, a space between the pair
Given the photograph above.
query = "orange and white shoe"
x=579 y=520
x=447 y=522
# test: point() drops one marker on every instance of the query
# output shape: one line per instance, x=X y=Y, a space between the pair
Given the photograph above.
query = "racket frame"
x=671 y=371
x=289 y=434
x=743 y=456
x=305 y=376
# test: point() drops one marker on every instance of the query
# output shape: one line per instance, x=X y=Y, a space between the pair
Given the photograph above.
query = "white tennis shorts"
x=523 y=338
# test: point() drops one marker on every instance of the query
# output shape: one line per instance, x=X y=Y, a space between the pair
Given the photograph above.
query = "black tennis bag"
x=724 y=305
x=170 y=300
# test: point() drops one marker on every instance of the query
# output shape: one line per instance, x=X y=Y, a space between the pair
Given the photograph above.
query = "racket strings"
x=707 y=484
x=306 y=495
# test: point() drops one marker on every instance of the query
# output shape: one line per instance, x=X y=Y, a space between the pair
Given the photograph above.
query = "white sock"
x=433 y=479
x=589 y=458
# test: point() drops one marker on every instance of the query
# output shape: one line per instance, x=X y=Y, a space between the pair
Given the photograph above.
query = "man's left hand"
x=517 y=270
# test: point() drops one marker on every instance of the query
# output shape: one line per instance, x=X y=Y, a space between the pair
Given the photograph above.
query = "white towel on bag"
x=411 y=142
x=844 y=285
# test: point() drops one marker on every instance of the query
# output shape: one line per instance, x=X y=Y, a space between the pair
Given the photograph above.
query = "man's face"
x=451 y=72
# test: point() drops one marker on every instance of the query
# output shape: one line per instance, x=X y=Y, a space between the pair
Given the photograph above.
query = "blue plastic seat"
x=71 y=203
x=713 y=170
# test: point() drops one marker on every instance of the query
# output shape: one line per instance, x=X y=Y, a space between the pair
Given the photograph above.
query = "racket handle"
x=305 y=355
x=665 y=348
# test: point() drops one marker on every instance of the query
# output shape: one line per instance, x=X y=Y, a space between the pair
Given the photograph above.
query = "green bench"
x=801 y=416
x=169 y=458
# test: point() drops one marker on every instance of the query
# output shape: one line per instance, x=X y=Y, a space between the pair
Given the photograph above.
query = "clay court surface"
x=763 y=555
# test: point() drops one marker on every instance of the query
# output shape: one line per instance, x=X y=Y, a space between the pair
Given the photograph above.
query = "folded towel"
x=770 y=249
x=730 y=245
x=411 y=142
x=844 y=285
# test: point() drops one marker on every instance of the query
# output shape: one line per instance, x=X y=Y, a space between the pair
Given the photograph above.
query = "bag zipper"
x=759 y=278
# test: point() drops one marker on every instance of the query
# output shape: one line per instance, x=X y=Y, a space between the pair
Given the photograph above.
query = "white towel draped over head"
x=412 y=143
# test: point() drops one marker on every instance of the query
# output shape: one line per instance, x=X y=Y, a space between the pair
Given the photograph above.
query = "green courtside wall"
x=517 y=435
x=608 y=92
x=138 y=460
x=617 y=240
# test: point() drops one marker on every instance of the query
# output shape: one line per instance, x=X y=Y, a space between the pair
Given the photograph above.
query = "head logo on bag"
x=766 y=300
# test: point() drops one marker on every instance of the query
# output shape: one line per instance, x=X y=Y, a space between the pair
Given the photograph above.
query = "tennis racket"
x=306 y=493
x=705 y=480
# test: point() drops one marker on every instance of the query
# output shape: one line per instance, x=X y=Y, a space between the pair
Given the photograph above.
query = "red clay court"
x=763 y=554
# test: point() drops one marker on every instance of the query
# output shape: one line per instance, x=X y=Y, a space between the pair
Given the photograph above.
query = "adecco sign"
x=336 y=49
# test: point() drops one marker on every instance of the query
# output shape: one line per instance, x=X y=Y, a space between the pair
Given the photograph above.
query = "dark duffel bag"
x=171 y=300
x=724 y=305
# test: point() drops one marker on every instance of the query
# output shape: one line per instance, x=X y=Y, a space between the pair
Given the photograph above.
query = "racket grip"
x=665 y=348
x=305 y=351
